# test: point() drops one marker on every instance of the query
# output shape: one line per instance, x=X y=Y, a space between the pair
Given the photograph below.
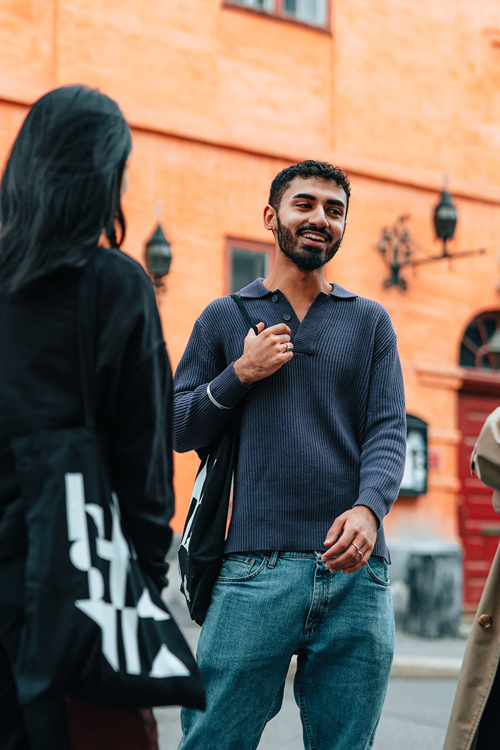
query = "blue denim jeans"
x=264 y=609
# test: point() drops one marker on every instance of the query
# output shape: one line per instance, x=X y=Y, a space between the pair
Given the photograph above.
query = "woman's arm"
x=136 y=409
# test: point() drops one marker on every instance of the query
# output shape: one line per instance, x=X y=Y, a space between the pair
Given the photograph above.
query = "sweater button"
x=275 y=298
x=485 y=621
x=287 y=317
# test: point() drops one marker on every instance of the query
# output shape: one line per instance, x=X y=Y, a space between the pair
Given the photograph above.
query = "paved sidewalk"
x=421 y=658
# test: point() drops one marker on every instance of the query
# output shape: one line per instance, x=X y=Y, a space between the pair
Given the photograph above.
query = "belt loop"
x=273 y=559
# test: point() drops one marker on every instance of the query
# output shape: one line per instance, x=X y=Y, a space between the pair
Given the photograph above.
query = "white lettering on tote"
x=111 y=615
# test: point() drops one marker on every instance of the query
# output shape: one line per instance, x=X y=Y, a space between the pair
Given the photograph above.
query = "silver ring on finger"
x=289 y=347
x=359 y=551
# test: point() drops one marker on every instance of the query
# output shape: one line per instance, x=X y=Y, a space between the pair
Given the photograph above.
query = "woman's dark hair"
x=310 y=168
x=61 y=185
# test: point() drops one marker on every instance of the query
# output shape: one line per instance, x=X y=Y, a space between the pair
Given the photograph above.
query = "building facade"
x=222 y=95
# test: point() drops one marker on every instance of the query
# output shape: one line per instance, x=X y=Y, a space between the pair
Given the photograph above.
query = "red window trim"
x=278 y=15
x=250 y=245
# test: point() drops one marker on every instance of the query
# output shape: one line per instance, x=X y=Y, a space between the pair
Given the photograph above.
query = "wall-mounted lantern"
x=445 y=220
x=399 y=250
x=158 y=257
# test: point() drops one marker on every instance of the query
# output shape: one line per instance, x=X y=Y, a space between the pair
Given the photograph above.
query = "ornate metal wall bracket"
x=399 y=250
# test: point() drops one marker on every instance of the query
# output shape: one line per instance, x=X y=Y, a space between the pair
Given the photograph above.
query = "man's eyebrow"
x=306 y=196
x=331 y=201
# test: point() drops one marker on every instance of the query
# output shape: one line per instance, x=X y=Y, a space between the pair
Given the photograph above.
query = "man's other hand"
x=264 y=354
x=358 y=533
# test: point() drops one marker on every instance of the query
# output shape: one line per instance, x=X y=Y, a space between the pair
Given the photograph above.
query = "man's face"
x=310 y=221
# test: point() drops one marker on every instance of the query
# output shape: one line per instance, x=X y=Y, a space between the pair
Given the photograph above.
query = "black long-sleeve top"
x=40 y=389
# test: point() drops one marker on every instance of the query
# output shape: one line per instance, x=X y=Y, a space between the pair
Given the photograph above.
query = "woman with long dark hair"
x=60 y=210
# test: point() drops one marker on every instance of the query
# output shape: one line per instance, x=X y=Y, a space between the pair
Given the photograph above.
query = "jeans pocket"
x=378 y=570
x=237 y=568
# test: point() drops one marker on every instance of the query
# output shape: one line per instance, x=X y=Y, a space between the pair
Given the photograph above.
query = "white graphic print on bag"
x=196 y=497
x=108 y=614
x=196 y=500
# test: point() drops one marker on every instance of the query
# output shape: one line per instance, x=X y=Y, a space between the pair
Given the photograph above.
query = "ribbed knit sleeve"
x=383 y=452
x=197 y=420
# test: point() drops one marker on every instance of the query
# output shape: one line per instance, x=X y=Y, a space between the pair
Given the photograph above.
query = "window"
x=310 y=11
x=247 y=261
x=313 y=12
x=478 y=344
x=258 y=4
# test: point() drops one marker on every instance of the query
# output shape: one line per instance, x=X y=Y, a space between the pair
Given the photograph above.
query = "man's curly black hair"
x=310 y=168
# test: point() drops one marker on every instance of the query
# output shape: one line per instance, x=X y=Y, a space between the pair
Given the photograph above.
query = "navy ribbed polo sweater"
x=324 y=433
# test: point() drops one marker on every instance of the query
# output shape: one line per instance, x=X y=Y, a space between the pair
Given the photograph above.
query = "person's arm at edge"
x=137 y=409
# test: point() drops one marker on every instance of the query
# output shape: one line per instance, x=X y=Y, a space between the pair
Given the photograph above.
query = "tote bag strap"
x=87 y=341
x=244 y=312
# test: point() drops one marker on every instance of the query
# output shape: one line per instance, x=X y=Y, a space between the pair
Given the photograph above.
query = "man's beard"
x=310 y=258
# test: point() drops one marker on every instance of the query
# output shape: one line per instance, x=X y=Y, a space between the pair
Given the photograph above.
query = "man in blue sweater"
x=321 y=457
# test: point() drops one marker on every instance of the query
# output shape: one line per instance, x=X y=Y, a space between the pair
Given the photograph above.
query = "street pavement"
x=415 y=717
x=416 y=710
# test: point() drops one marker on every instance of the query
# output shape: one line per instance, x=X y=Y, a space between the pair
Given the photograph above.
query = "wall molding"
x=477 y=191
x=444 y=435
x=433 y=375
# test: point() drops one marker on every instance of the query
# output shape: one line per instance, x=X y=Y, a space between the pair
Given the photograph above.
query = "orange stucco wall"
x=220 y=99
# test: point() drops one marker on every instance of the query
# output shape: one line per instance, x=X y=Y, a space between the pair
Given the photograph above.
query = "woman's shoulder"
x=121 y=278
x=113 y=262
x=126 y=304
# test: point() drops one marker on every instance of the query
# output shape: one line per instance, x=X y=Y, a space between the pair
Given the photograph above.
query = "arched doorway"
x=479 y=525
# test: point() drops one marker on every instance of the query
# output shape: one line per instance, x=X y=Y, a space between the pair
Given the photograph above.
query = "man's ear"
x=270 y=218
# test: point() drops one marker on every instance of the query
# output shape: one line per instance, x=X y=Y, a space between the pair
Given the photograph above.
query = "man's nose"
x=319 y=219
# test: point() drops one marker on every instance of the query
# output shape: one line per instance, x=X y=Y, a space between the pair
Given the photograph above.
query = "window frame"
x=249 y=245
x=278 y=14
x=420 y=426
x=480 y=352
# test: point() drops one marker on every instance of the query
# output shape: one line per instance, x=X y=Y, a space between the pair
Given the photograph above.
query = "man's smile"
x=316 y=239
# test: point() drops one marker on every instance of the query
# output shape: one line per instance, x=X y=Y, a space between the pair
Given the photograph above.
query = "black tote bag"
x=202 y=546
x=95 y=625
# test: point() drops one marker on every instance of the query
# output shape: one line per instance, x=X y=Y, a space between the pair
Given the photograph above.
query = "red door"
x=479 y=524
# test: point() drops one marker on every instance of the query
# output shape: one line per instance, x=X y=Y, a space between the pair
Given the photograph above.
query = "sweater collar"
x=256 y=290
